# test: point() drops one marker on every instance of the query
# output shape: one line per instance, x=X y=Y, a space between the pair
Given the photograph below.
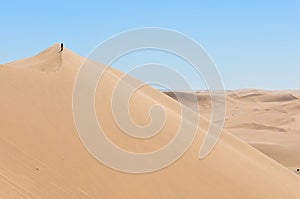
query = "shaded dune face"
x=41 y=155
x=267 y=120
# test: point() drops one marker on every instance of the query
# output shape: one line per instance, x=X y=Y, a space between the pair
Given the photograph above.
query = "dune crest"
x=49 y=60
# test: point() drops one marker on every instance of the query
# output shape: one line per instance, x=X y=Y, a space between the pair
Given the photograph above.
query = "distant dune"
x=41 y=155
x=267 y=120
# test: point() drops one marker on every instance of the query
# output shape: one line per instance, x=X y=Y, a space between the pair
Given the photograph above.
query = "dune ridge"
x=43 y=157
x=49 y=60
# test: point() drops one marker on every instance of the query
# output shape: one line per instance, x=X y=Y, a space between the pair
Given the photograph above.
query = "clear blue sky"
x=255 y=44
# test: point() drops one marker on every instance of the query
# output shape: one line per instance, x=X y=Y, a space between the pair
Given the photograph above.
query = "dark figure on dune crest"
x=61 y=47
x=298 y=171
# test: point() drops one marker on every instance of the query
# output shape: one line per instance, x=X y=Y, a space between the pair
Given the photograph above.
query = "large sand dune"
x=41 y=155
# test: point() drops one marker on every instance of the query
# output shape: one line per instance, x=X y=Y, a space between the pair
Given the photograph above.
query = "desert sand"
x=267 y=120
x=43 y=157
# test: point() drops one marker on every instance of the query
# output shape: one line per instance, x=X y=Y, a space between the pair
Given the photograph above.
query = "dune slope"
x=43 y=157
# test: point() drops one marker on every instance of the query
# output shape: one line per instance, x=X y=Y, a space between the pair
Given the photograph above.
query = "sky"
x=254 y=44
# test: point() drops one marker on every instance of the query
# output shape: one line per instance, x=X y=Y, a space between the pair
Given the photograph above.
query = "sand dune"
x=268 y=120
x=41 y=155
